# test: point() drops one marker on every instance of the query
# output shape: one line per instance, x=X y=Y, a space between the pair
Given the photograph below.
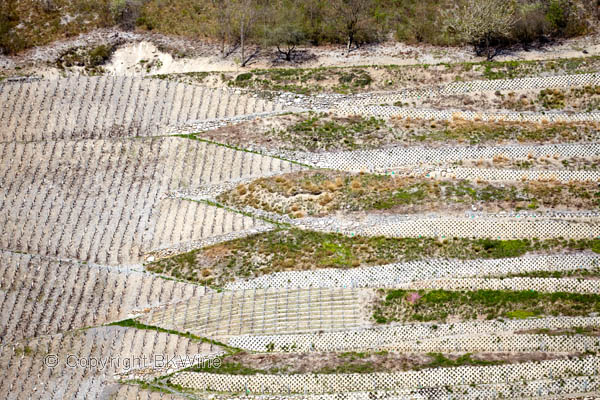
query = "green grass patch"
x=230 y=368
x=438 y=305
x=296 y=249
x=317 y=131
x=441 y=361
x=23 y=351
x=482 y=132
x=520 y=314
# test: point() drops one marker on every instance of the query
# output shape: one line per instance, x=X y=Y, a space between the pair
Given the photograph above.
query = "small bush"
x=558 y=14
x=100 y=54
x=531 y=24
x=243 y=77
x=91 y=59
x=564 y=19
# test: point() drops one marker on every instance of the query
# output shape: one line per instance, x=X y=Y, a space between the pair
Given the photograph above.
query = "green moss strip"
x=582 y=273
x=577 y=330
x=196 y=136
x=132 y=323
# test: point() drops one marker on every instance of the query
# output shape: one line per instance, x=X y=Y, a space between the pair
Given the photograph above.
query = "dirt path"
x=137 y=49
x=127 y=59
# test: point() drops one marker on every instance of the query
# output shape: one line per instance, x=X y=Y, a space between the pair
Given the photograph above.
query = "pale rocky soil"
x=202 y=56
x=574 y=100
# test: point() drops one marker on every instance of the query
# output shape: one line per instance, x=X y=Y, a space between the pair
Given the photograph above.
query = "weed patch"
x=89 y=59
x=358 y=79
x=318 y=132
x=577 y=330
x=356 y=363
x=440 y=305
x=322 y=192
x=574 y=99
x=581 y=273
x=295 y=249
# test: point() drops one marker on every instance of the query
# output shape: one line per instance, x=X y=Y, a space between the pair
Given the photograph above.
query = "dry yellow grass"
x=500 y=159
x=355 y=185
x=330 y=186
x=242 y=190
x=325 y=199
x=206 y=272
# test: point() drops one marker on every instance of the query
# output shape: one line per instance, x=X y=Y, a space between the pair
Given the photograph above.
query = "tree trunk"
x=242 y=43
x=287 y=53
x=350 y=39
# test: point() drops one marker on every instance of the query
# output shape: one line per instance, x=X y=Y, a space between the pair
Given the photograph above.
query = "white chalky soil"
x=93 y=183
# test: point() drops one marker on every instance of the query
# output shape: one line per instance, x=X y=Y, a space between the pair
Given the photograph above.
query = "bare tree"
x=286 y=32
x=354 y=18
x=224 y=28
x=246 y=14
x=484 y=24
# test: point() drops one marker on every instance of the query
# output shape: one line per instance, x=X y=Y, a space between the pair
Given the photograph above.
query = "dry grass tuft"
x=325 y=199
x=299 y=214
x=206 y=272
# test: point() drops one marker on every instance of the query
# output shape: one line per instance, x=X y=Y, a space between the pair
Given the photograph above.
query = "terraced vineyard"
x=260 y=312
x=100 y=200
x=111 y=107
x=26 y=358
x=392 y=244
x=44 y=296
